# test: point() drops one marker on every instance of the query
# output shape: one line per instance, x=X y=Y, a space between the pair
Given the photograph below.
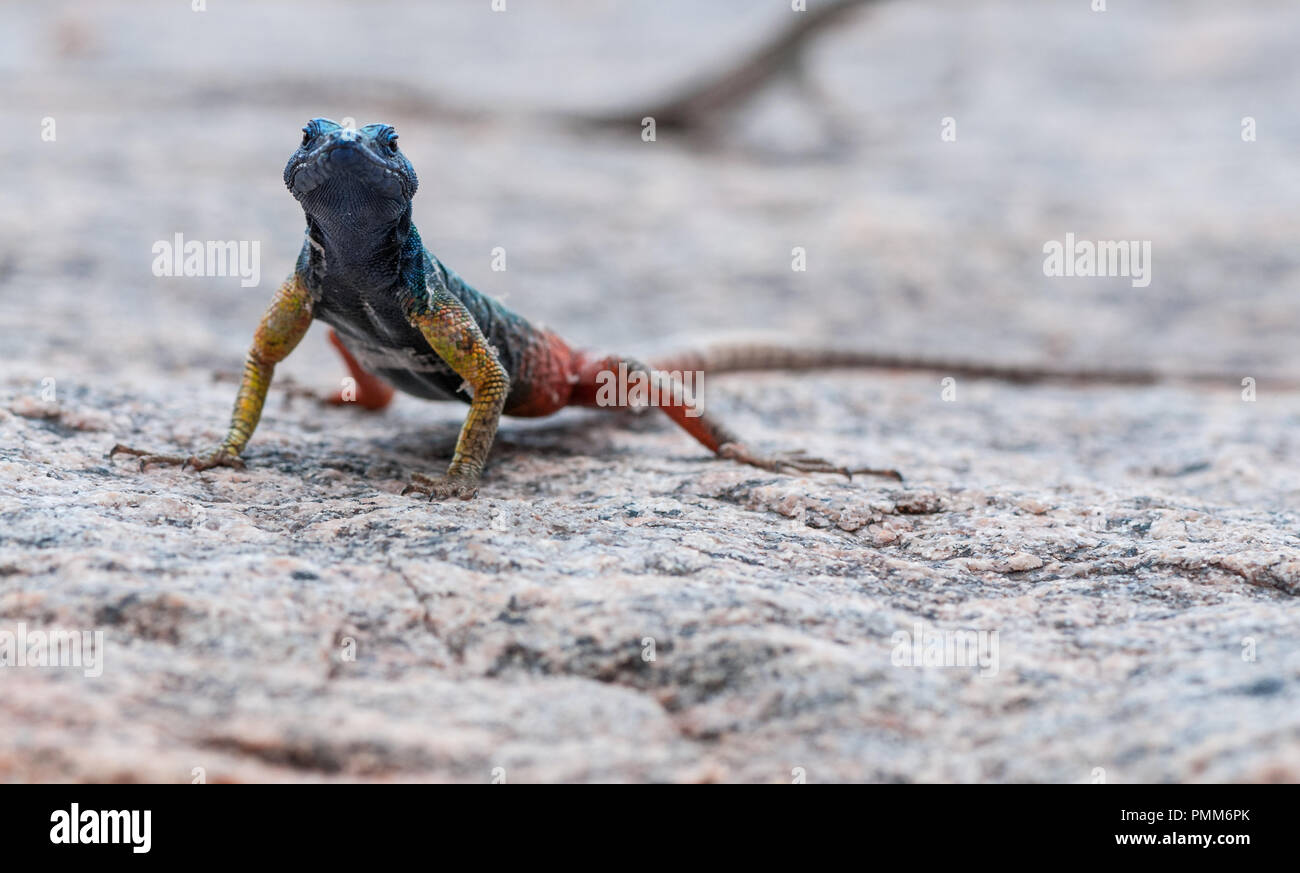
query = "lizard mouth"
x=350 y=163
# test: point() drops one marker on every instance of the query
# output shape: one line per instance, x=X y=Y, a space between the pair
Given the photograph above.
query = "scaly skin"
x=452 y=332
x=403 y=318
x=284 y=324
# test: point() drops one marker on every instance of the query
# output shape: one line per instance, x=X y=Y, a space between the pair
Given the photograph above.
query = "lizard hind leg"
x=368 y=390
x=597 y=385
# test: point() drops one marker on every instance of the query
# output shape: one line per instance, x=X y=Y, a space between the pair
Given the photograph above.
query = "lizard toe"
x=443 y=488
x=797 y=461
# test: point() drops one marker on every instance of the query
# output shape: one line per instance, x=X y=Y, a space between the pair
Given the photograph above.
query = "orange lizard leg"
x=370 y=393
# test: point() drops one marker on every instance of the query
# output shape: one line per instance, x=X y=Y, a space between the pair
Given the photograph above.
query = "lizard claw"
x=797 y=461
x=443 y=487
x=218 y=457
x=146 y=457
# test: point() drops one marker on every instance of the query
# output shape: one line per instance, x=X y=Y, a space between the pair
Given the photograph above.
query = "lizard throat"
x=360 y=254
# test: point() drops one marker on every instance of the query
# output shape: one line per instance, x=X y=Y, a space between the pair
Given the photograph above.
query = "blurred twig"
x=706 y=100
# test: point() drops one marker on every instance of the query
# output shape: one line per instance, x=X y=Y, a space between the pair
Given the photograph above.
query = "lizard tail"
x=737 y=358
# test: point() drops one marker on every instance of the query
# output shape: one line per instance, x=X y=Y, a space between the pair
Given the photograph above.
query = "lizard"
x=402 y=319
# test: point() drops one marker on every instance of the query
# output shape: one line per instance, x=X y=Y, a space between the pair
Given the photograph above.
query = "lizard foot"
x=218 y=457
x=442 y=487
x=797 y=461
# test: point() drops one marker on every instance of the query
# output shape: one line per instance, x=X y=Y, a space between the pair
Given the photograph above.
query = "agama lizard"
x=401 y=318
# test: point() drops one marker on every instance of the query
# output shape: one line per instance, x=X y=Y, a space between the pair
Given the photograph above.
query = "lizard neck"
x=361 y=256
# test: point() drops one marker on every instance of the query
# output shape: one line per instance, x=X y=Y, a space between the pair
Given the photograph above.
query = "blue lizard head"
x=353 y=174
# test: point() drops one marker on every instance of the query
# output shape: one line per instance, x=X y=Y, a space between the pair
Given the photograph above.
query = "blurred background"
x=1124 y=541
x=1124 y=124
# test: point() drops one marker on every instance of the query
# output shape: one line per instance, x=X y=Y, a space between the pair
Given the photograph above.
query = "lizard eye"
x=389 y=139
x=310 y=131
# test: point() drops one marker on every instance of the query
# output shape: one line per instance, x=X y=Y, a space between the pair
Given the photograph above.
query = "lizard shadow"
x=571 y=434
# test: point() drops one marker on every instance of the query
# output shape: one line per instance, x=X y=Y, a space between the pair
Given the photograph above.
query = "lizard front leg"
x=451 y=331
x=283 y=325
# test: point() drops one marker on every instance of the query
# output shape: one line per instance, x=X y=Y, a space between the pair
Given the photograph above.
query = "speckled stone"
x=616 y=605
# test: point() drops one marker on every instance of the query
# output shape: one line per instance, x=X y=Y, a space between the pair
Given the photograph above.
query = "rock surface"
x=616 y=605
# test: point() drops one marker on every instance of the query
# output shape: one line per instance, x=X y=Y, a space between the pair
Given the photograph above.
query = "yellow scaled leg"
x=452 y=332
x=283 y=325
